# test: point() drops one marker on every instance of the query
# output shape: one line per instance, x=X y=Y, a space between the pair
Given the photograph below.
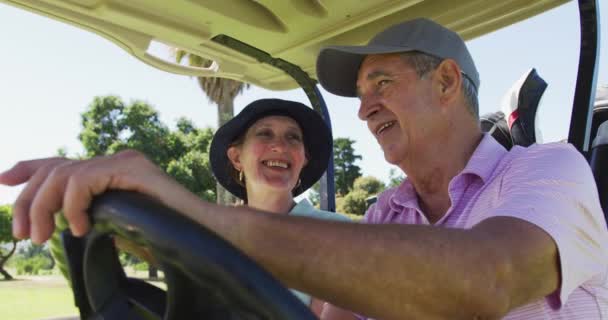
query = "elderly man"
x=418 y=89
x=475 y=232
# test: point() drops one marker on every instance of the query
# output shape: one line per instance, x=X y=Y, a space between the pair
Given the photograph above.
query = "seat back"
x=598 y=155
x=495 y=124
x=598 y=160
x=517 y=123
x=600 y=108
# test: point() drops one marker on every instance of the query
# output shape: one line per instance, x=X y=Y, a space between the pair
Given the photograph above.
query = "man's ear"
x=234 y=155
x=449 y=80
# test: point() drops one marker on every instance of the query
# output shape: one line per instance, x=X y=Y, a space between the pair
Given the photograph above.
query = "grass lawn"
x=36 y=297
x=42 y=297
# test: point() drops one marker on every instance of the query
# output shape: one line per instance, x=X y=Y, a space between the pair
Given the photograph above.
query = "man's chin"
x=391 y=158
x=394 y=153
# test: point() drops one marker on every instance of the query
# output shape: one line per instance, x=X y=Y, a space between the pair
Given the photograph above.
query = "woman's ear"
x=234 y=155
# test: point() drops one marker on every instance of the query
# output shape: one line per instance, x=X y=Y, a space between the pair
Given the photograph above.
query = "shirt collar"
x=404 y=197
x=482 y=163
x=485 y=158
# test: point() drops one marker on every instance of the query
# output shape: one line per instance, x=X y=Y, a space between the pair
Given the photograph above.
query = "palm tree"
x=221 y=92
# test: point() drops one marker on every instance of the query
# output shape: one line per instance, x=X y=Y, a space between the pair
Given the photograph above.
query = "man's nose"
x=368 y=107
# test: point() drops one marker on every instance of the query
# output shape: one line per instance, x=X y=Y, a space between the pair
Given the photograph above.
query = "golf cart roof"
x=293 y=31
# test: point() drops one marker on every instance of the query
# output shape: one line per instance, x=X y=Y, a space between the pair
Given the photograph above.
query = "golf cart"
x=272 y=45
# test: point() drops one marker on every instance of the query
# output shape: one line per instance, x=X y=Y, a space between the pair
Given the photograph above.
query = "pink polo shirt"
x=549 y=185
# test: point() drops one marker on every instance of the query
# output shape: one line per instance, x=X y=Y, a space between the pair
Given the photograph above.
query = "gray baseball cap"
x=337 y=66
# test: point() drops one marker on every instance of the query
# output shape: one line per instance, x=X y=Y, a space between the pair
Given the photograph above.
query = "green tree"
x=138 y=126
x=193 y=171
x=101 y=125
x=221 y=92
x=346 y=171
x=8 y=244
x=110 y=126
x=356 y=201
x=370 y=185
x=31 y=258
x=142 y=130
x=28 y=249
x=188 y=138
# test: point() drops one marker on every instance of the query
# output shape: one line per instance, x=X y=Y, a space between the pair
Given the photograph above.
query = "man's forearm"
x=385 y=271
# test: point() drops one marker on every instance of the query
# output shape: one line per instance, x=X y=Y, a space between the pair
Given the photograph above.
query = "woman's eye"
x=294 y=137
x=264 y=133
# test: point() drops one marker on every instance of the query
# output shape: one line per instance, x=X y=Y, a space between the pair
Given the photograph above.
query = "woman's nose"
x=278 y=145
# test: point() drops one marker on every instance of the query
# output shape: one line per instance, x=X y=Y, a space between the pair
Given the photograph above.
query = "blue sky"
x=50 y=72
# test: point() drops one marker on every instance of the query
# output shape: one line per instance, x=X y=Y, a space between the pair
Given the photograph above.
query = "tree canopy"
x=370 y=185
x=109 y=125
x=346 y=171
x=356 y=201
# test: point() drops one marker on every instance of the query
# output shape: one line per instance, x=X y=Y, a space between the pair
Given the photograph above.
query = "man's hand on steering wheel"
x=56 y=183
x=206 y=276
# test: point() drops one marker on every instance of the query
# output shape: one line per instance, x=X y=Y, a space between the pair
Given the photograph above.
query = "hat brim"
x=338 y=66
x=317 y=140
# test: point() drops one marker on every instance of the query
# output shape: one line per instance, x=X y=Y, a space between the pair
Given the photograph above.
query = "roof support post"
x=584 y=95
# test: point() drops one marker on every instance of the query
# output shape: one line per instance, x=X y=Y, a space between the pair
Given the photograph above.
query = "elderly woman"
x=267 y=155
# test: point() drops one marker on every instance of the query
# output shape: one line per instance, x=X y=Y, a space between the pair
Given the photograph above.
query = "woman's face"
x=272 y=154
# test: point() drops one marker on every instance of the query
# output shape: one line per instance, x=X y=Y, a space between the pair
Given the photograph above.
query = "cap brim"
x=338 y=66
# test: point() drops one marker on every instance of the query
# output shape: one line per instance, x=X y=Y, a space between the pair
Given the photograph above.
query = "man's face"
x=397 y=105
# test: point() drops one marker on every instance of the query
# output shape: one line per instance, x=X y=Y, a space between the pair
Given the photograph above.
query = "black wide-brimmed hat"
x=317 y=141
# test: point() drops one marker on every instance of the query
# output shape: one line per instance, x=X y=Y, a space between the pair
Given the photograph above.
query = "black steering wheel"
x=206 y=277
